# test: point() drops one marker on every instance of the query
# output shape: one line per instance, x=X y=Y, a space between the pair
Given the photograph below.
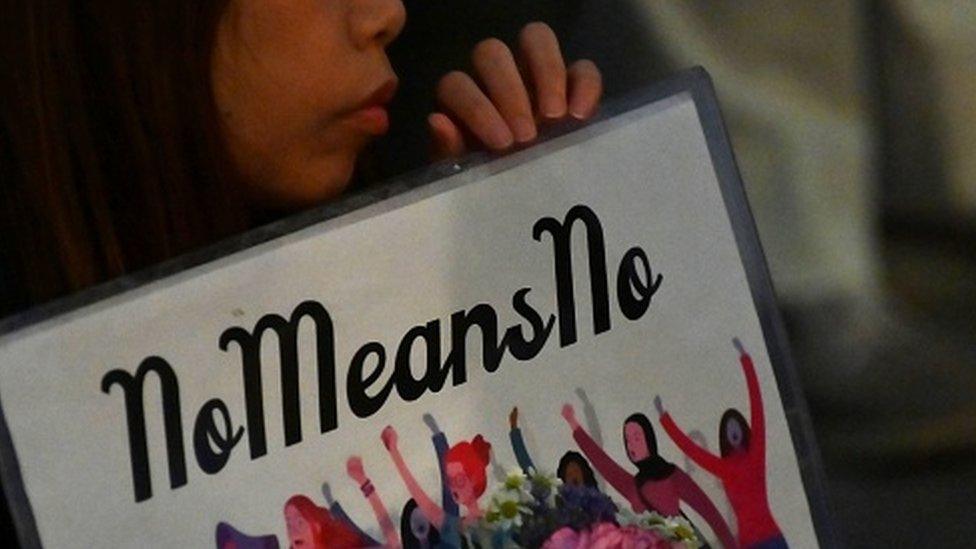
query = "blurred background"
x=854 y=124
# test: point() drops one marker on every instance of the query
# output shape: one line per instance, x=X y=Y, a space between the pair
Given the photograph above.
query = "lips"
x=382 y=95
x=371 y=114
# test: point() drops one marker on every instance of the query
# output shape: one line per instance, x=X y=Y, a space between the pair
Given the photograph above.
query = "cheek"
x=277 y=91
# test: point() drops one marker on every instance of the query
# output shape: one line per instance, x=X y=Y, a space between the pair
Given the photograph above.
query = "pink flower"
x=606 y=535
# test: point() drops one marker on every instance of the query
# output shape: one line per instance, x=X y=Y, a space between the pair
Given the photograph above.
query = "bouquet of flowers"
x=537 y=510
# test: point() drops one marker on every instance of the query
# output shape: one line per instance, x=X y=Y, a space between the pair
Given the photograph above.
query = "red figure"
x=742 y=465
x=313 y=527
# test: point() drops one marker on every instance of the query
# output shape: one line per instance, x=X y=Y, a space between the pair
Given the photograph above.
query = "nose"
x=376 y=22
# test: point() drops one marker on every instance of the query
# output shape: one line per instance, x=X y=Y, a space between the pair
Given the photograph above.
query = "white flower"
x=515 y=480
x=506 y=509
x=672 y=528
x=546 y=484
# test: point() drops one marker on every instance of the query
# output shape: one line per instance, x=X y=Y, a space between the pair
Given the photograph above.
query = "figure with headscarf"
x=658 y=485
x=742 y=464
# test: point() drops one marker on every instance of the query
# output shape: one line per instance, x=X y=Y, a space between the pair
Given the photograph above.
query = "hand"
x=505 y=108
x=658 y=405
x=354 y=466
x=431 y=423
x=513 y=418
x=738 y=346
x=570 y=415
x=389 y=438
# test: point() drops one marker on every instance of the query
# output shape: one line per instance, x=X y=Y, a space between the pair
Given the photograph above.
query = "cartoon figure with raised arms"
x=354 y=466
x=465 y=466
x=312 y=527
x=573 y=469
x=742 y=465
x=417 y=532
x=658 y=485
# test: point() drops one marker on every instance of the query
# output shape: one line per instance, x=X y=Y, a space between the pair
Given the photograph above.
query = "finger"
x=585 y=88
x=446 y=139
x=540 y=52
x=495 y=66
x=465 y=102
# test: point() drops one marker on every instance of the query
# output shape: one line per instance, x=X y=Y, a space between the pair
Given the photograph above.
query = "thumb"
x=446 y=138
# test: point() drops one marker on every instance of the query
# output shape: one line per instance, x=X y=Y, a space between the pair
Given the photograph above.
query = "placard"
x=587 y=318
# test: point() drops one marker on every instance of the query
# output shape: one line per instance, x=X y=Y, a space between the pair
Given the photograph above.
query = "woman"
x=312 y=527
x=134 y=132
x=742 y=465
x=466 y=466
x=658 y=485
x=416 y=530
x=573 y=469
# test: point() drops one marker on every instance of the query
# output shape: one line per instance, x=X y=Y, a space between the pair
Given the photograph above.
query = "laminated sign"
x=574 y=345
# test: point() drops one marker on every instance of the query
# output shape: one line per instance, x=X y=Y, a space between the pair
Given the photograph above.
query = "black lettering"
x=485 y=318
x=361 y=403
x=205 y=431
x=408 y=387
x=287 y=334
x=135 y=412
x=634 y=293
x=520 y=347
x=565 y=299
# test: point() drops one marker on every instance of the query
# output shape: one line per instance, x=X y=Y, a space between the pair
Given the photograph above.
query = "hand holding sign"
x=499 y=113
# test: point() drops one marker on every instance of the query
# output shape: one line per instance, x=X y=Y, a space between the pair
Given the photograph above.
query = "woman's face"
x=574 y=474
x=300 y=86
x=462 y=489
x=299 y=530
x=636 y=442
x=734 y=435
x=419 y=525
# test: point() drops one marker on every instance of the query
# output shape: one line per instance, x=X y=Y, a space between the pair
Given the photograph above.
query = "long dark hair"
x=110 y=148
x=410 y=541
x=654 y=467
x=589 y=478
x=725 y=445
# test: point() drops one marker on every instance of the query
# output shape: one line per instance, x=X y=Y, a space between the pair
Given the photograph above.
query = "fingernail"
x=578 y=110
x=554 y=106
x=524 y=129
x=501 y=137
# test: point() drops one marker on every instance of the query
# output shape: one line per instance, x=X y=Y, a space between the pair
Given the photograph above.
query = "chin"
x=311 y=185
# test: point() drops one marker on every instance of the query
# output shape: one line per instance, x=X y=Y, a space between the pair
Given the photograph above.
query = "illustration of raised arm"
x=699 y=455
x=354 y=466
x=615 y=475
x=434 y=513
x=518 y=443
x=441 y=446
x=692 y=494
x=757 y=418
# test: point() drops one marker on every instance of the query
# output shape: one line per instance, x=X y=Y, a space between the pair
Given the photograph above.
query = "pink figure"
x=742 y=465
x=658 y=485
